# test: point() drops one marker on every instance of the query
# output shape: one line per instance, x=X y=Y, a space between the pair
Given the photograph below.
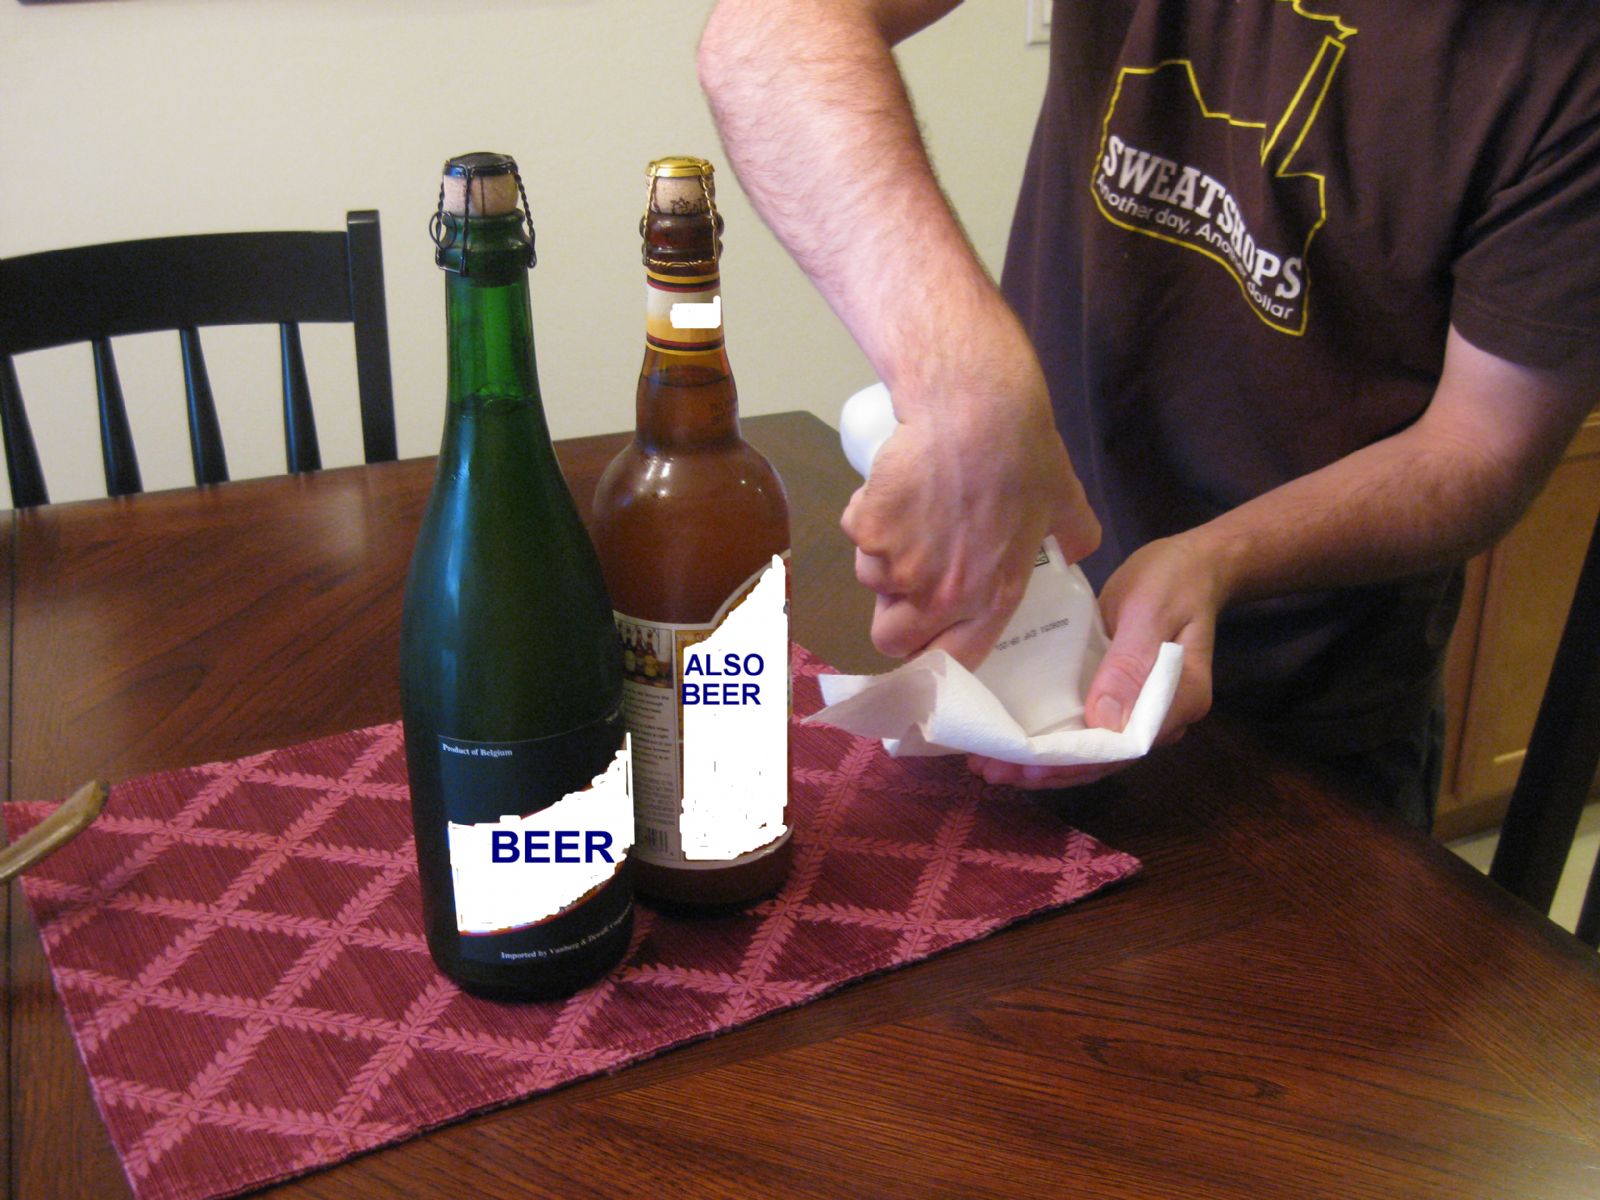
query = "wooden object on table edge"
x=1512 y=612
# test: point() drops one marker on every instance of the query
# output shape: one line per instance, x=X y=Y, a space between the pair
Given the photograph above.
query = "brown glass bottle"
x=692 y=527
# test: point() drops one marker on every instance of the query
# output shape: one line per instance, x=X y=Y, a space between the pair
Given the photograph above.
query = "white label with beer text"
x=521 y=870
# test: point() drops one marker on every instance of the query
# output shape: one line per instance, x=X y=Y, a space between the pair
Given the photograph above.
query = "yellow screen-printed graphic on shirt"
x=1219 y=179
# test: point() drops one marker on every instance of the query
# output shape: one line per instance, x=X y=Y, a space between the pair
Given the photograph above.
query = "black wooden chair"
x=1559 y=769
x=95 y=293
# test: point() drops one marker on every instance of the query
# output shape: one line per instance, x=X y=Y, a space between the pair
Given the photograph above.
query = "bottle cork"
x=481 y=184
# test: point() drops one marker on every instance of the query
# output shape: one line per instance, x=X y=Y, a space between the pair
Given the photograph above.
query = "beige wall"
x=138 y=118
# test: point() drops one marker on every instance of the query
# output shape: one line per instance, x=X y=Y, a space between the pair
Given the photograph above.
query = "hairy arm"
x=1435 y=493
x=815 y=118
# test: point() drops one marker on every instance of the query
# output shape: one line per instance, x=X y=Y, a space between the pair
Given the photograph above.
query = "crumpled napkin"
x=933 y=705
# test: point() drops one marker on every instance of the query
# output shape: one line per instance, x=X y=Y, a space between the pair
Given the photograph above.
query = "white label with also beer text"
x=708 y=709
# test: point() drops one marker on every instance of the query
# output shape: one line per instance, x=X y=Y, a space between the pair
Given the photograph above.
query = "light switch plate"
x=1038 y=22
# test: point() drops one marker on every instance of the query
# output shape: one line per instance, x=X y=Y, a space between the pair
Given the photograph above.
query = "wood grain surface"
x=1296 y=999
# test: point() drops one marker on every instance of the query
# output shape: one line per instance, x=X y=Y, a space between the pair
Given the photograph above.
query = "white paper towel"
x=1042 y=665
x=934 y=705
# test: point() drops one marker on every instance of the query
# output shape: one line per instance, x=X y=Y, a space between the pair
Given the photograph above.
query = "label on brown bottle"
x=683 y=315
x=707 y=706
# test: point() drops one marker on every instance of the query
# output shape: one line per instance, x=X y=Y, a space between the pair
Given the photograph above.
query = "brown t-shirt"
x=1245 y=228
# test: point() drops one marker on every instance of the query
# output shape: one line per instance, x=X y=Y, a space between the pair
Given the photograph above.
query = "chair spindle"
x=116 y=438
x=22 y=459
x=205 y=432
x=299 y=422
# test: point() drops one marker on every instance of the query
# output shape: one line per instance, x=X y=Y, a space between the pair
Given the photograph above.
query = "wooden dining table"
x=1297 y=997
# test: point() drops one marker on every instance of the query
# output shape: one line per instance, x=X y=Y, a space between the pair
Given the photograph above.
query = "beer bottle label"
x=683 y=315
x=520 y=865
x=707 y=706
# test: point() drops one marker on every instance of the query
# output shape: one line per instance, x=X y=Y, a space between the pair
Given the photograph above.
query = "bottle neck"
x=686 y=397
x=490 y=331
x=495 y=418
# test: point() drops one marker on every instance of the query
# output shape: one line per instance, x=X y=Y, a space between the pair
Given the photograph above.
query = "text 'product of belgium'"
x=692 y=527
x=511 y=668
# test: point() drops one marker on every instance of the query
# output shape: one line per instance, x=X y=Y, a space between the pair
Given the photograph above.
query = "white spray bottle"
x=1042 y=663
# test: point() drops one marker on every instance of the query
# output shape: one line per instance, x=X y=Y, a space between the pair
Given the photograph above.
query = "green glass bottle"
x=511 y=666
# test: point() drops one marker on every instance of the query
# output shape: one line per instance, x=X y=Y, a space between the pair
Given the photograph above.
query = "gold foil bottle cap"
x=677 y=166
x=681 y=184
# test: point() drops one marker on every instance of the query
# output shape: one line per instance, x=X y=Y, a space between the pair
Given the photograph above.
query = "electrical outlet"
x=1038 y=22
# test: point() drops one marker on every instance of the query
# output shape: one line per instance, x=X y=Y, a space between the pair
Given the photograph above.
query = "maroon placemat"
x=239 y=949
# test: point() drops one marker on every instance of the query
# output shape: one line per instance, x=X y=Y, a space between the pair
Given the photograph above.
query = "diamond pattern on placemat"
x=239 y=949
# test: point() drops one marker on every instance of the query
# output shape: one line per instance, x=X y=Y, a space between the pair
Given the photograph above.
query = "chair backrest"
x=95 y=293
x=1559 y=770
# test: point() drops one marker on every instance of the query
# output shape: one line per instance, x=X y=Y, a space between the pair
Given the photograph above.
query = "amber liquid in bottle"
x=686 y=518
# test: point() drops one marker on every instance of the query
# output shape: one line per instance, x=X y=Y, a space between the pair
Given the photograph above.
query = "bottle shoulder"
x=678 y=532
x=735 y=473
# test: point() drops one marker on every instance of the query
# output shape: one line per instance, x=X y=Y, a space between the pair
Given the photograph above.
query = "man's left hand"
x=1166 y=591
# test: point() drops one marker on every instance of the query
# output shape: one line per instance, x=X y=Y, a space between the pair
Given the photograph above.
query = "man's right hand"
x=962 y=495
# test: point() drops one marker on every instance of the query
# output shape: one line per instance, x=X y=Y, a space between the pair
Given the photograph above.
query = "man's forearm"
x=815 y=118
x=1435 y=493
x=816 y=121
x=1429 y=495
